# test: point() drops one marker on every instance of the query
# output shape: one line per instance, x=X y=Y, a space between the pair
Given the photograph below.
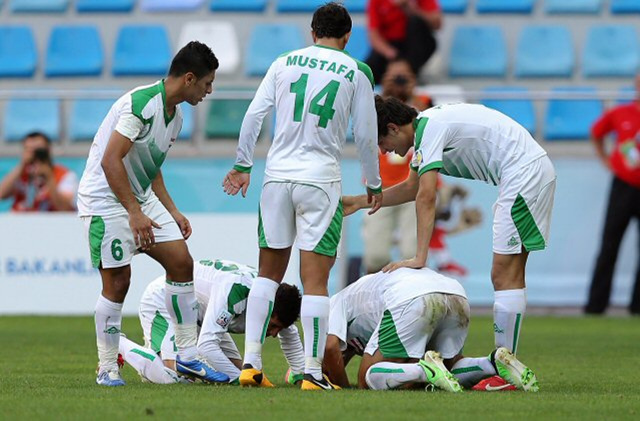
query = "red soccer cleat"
x=494 y=384
x=454 y=269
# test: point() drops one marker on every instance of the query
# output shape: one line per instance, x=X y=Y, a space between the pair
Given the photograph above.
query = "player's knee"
x=182 y=267
x=372 y=380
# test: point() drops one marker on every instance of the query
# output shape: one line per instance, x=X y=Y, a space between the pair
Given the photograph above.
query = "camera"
x=42 y=155
x=400 y=80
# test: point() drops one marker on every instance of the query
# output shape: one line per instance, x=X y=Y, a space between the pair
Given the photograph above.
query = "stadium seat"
x=39 y=6
x=358 y=46
x=521 y=110
x=74 y=51
x=225 y=118
x=141 y=50
x=17 y=51
x=544 y=51
x=625 y=6
x=187 y=121
x=170 y=5
x=504 y=6
x=454 y=6
x=23 y=116
x=571 y=119
x=295 y=6
x=267 y=42
x=92 y=6
x=573 y=6
x=611 y=50
x=86 y=117
x=238 y=5
x=478 y=51
x=220 y=36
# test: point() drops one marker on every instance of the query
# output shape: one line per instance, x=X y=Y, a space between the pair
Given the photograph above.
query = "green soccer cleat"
x=437 y=373
x=513 y=371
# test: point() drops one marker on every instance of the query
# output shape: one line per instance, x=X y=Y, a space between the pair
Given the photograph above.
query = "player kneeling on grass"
x=410 y=326
x=221 y=288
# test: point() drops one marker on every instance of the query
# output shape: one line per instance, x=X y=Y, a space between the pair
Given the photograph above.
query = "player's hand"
x=235 y=181
x=142 y=228
x=414 y=263
x=350 y=205
x=183 y=223
x=375 y=200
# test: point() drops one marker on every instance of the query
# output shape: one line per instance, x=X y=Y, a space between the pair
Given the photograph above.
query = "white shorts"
x=111 y=241
x=522 y=213
x=434 y=322
x=310 y=214
x=157 y=328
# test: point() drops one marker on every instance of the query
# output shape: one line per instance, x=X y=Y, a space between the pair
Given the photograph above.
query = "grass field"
x=585 y=366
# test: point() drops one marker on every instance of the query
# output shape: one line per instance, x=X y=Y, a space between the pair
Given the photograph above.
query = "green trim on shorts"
x=96 y=235
x=389 y=342
x=262 y=240
x=530 y=235
x=328 y=245
x=159 y=328
x=144 y=354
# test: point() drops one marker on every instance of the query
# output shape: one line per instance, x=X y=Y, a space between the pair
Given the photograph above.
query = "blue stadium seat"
x=91 y=6
x=294 y=6
x=544 y=51
x=478 y=51
x=86 y=117
x=521 y=110
x=17 y=51
x=625 y=6
x=170 y=5
x=267 y=42
x=571 y=119
x=23 y=116
x=74 y=51
x=504 y=6
x=358 y=46
x=573 y=6
x=611 y=50
x=238 y=5
x=187 y=122
x=39 y=6
x=454 y=6
x=141 y=50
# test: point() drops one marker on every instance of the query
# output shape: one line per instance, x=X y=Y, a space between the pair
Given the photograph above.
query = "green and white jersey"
x=140 y=115
x=357 y=310
x=471 y=141
x=314 y=91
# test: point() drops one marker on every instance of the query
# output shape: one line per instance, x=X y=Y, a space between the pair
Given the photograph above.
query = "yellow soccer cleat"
x=310 y=383
x=251 y=377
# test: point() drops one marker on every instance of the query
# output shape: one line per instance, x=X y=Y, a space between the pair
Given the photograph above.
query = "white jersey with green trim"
x=357 y=310
x=471 y=141
x=314 y=91
x=140 y=116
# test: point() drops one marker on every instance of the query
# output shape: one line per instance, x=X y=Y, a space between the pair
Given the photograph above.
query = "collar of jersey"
x=167 y=118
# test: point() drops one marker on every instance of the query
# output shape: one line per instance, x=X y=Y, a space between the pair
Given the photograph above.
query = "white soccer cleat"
x=110 y=378
x=437 y=373
x=513 y=371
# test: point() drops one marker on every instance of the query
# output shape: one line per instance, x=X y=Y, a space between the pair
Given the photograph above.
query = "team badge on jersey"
x=224 y=318
x=417 y=159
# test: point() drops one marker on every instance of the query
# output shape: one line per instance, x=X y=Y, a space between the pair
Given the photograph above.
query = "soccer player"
x=221 y=288
x=478 y=143
x=126 y=208
x=314 y=91
x=392 y=318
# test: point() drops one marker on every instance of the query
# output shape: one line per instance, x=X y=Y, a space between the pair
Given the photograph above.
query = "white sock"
x=182 y=305
x=259 y=308
x=314 y=316
x=108 y=319
x=385 y=375
x=469 y=371
x=508 y=311
x=146 y=363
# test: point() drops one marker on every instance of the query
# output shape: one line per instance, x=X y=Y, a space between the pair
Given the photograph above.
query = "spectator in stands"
x=402 y=29
x=37 y=183
x=624 y=197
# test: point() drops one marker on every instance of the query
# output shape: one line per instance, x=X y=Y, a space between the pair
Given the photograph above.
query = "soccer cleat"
x=310 y=383
x=437 y=373
x=513 y=371
x=198 y=369
x=249 y=376
x=291 y=378
x=493 y=384
x=110 y=378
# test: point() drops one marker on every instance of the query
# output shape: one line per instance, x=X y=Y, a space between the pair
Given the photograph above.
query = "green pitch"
x=587 y=369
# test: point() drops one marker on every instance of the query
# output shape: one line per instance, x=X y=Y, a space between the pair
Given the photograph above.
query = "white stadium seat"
x=220 y=36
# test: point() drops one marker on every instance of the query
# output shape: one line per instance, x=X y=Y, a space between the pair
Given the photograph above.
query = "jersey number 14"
x=324 y=111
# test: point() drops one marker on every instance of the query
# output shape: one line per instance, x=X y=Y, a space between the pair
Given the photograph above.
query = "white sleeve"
x=251 y=124
x=210 y=349
x=429 y=145
x=365 y=131
x=292 y=349
x=129 y=125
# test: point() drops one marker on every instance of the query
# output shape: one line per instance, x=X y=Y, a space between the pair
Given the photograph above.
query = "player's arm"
x=159 y=188
x=293 y=352
x=333 y=364
x=400 y=193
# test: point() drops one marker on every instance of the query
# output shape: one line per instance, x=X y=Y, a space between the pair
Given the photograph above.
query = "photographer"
x=36 y=183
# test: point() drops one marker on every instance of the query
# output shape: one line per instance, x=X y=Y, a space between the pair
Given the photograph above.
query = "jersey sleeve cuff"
x=432 y=166
x=376 y=190
x=240 y=168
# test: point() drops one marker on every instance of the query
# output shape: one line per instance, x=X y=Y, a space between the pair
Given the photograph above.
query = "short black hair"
x=286 y=306
x=331 y=21
x=392 y=110
x=37 y=134
x=195 y=57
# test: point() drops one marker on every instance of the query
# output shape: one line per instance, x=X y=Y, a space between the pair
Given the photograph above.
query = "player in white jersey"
x=314 y=91
x=478 y=143
x=410 y=326
x=126 y=208
x=222 y=288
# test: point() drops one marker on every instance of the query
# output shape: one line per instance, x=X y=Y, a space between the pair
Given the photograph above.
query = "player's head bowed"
x=331 y=21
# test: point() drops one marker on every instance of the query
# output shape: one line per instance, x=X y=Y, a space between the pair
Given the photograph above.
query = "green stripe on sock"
x=266 y=323
x=159 y=327
x=516 y=330
x=316 y=334
x=466 y=369
x=386 y=370
x=176 y=308
x=144 y=354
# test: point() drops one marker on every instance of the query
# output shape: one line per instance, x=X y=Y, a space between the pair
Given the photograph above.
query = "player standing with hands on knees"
x=477 y=143
x=126 y=208
x=314 y=90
